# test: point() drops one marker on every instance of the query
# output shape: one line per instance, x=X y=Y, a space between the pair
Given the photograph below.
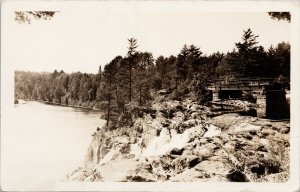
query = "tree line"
x=135 y=77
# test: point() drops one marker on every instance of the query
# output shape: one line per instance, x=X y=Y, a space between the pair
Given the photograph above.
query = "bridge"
x=240 y=84
x=277 y=105
x=234 y=88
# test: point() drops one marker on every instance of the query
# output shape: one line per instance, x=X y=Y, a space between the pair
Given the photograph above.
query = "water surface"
x=41 y=143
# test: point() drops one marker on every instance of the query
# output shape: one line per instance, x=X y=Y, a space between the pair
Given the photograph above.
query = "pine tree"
x=182 y=64
x=193 y=61
x=246 y=56
x=132 y=57
x=162 y=68
x=143 y=77
x=109 y=94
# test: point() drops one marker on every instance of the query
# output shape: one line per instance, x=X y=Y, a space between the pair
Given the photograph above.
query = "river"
x=41 y=143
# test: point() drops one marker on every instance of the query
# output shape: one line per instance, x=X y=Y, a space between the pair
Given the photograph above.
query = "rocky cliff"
x=177 y=141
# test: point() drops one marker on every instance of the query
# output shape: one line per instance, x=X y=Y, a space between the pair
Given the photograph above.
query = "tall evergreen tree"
x=132 y=59
x=143 y=77
x=246 y=56
x=193 y=61
x=109 y=94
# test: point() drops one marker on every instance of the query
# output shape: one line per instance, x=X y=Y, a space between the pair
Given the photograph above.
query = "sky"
x=81 y=38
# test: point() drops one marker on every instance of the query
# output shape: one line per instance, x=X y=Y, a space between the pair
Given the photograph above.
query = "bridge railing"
x=240 y=82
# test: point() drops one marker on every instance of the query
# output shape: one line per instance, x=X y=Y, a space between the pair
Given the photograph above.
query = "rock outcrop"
x=176 y=141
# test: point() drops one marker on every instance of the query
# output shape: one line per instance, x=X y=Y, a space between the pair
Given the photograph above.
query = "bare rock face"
x=228 y=120
x=176 y=141
x=93 y=154
x=276 y=177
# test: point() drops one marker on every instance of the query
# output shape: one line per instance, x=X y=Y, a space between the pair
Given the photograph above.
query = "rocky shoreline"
x=182 y=141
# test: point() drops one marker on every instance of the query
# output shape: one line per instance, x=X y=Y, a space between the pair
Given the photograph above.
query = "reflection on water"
x=41 y=143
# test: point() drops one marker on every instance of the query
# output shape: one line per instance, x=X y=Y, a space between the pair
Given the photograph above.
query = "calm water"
x=41 y=143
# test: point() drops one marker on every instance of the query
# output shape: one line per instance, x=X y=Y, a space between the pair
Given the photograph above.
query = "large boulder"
x=276 y=178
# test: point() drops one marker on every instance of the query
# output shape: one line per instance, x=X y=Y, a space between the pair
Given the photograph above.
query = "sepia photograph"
x=149 y=95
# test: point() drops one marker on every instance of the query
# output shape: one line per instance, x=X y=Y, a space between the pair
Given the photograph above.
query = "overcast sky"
x=82 y=39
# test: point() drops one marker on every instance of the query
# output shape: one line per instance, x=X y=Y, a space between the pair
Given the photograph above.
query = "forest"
x=137 y=76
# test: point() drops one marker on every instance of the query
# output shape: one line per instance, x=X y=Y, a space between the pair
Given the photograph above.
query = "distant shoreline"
x=63 y=105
